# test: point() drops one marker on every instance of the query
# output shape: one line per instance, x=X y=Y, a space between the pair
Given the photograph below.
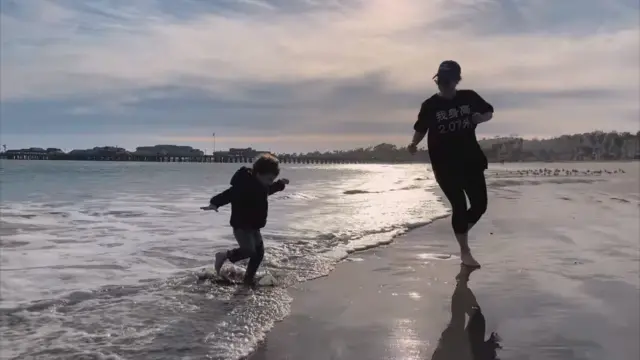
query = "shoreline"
x=301 y=322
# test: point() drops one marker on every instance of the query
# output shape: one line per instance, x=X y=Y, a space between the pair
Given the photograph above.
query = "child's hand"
x=284 y=181
x=210 y=207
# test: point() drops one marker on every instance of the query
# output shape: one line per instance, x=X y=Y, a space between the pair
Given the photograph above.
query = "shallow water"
x=98 y=259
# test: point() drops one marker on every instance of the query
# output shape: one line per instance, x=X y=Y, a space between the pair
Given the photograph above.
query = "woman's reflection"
x=458 y=342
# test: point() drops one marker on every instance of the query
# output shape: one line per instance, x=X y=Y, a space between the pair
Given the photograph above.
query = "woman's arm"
x=479 y=118
x=421 y=126
x=417 y=137
x=483 y=110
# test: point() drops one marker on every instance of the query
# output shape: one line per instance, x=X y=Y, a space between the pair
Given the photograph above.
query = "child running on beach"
x=249 y=207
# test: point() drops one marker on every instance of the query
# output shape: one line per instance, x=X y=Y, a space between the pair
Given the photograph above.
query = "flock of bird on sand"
x=546 y=172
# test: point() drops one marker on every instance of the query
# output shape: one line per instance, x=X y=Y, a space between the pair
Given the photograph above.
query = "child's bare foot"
x=250 y=283
x=221 y=257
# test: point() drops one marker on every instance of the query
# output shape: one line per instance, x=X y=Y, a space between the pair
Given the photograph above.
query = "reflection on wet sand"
x=458 y=342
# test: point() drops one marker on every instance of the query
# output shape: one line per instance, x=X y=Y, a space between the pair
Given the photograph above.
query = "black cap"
x=449 y=70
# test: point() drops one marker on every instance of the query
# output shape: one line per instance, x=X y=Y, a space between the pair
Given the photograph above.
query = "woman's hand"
x=413 y=148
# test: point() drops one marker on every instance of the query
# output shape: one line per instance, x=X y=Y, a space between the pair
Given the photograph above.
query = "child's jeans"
x=251 y=247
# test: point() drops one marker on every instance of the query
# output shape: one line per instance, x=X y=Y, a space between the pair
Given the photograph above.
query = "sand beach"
x=559 y=282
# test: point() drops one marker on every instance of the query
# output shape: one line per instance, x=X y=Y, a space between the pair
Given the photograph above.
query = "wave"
x=231 y=318
x=295 y=196
x=317 y=256
x=347 y=236
x=620 y=200
x=353 y=192
x=358 y=191
x=234 y=321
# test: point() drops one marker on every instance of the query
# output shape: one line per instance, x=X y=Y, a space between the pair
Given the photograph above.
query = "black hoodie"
x=248 y=198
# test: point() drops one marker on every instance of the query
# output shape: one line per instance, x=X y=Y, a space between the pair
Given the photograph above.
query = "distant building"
x=32 y=150
x=168 y=150
x=246 y=152
x=105 y=151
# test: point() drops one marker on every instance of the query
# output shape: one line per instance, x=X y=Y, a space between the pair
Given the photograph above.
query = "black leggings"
x=455 y=186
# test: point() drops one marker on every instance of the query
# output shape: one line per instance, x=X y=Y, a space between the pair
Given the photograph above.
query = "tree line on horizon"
x=595 y=145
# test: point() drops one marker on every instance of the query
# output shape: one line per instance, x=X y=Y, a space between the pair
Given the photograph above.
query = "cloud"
x=322 y=67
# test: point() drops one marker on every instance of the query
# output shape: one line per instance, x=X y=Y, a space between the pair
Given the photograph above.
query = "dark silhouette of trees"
x=596 y=145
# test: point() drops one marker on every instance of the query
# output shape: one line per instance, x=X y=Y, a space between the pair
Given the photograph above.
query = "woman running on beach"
x=450 y=118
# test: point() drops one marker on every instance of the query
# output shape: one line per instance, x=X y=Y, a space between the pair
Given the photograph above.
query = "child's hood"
x=242 y=177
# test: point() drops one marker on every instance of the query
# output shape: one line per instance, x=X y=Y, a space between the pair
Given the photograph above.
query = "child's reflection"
x=458 y=342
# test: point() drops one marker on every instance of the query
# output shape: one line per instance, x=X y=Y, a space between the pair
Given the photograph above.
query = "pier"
x=287 y=159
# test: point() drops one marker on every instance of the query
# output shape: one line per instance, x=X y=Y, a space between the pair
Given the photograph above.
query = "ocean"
x=99 y=259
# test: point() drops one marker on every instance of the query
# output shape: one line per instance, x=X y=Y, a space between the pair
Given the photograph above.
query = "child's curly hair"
x=266 y=164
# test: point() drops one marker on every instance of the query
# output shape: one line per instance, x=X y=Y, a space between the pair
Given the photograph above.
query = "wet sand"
x=559 y=281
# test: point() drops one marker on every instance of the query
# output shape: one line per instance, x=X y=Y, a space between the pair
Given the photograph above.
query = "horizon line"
x=308 y=137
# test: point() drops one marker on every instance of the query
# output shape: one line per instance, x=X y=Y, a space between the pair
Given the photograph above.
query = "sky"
x=305 y=75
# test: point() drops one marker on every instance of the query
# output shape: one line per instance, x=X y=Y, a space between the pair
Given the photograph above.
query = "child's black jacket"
x=248 y=198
